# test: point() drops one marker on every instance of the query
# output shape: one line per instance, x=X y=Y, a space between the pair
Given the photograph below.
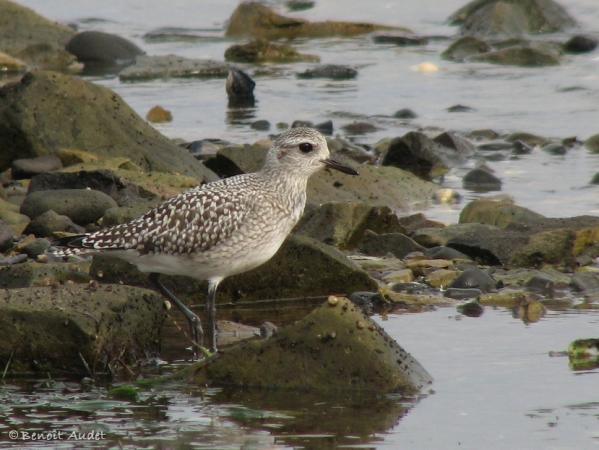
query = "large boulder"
x=252 y=19
x=78 y=329
x=335 y=348
x=48 y=111
x=97 y=47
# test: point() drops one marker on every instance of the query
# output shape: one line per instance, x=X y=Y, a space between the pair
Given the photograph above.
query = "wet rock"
x=260 y=125
x=83 y=206
x=10 y=64
x=526 y=55
x=584 y=354
x=501 y=213
x=586 y=281
x=481 y=180
x=442 y=252
x=358 y=128
x=343 y=148
x=541 y=284
x=474 y=278
x=252 y=19
x=501 y=17
x=471 y=309
x=99 y=48
x=335 y=348
x=344 y=224
x=177 y=34
x=240 y=89
x=260 y=51
x=35 y=248
x=521 y=148
x=484 y=133
x=401 y=276
x=454 y=141
x=460 y=108
x=172 y=66
x=508 y=298
x=592 y=143
x=325 y=127
x=48 y=223
x=158 y=114
x=580 y=44
x=462 y=293
x=28 y=167
x=9 y=214
x=399 y=39
x=331 y=71
x=398 y=244
x=530 y=139
x=6 y=236
x=441 y=278
x=555 y=149
x=47 y=112
x=76 y=329
x=34 y=39
x=405 y=113
x=366 y=301
x=465 y=47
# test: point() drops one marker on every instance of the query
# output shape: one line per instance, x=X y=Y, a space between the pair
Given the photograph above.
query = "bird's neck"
x=291 y=186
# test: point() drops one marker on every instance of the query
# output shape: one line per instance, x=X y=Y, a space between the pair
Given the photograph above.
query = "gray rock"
x=6 y=236
x=399 y=39
x=474 y=278
x=28 y=167
x=500 y=213
x=466 y=47
x=398 y=244
x=261 y=125
x=454 y=141
x=587 y=282
x=47 y=223
x=555 y=149
x=524 y=55
x=580 y=44
x=462 y=293
x=34 y=274
x=405 y=113
x=481 y=180
x=82 y=206
x=442 y=252
x=262 y=51
x=36 y=247
x=460 y=108
x=359 y=128
x=97 y=47
x=331 y=71
x=172 y=66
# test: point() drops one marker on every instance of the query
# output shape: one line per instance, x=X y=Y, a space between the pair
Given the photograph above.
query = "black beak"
x=338 y=166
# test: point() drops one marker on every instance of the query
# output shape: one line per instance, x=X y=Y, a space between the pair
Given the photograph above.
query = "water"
x=495 y=384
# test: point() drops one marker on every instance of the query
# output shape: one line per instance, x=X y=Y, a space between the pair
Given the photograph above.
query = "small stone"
x=360 y=325
x=399 y=276
x=580 y=44
x=426 y=67
x=6 y=236
x=159 y=115
x=268 y=330
x=405 y=113
x=332 y=300
x=261 y=125
x=28 y=167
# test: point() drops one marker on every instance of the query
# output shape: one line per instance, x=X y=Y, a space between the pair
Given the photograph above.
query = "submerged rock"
x=332 y=71
x=525 y=55
x=260 y=50
x=465 y=48
x=481 y=180
x=48 y=112
x=580 y=44
x=97 y=47
x=172 y=66
x=259 y=21
x=399 y=39
x=335 y=348
x=77 y=329
x=240 y=89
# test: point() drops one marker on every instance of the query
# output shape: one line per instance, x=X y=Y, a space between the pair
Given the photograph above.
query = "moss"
x=124 y=392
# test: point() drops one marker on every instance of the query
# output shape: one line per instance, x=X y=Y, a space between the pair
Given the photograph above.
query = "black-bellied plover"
x=218 y=229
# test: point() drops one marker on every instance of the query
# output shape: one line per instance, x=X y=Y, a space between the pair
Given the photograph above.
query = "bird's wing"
x=191 y=222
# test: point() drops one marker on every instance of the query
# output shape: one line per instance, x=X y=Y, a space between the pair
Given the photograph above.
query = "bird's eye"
x=306 y=147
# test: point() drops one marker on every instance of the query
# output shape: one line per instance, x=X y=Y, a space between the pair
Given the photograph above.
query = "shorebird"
x=218 y=229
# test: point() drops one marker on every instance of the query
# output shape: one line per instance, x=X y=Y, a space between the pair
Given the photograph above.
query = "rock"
x=47 y=112
x=10 y=64
x=471 y=309
x=474 y=278
x=509 y=17
x=529 y=139
x=172 y=66
x=399 y=39
x=99 y=48
x=416 y=221
x=481 y=180
x=528 y=55
x=331 y=71
x=335 y=348
x=299 y=5
x=541 y=284
x=77 y=329
x=35 y=248
x=46 y=224
x=454 y=141
x=442 y=252
x=501 y=213
x=358 y=128
x=398 y=244
x=260 y=125
x=583 y=354
x=34 y=39
x=587 y=282
x=345 y=149
x=462 y=294
x=441 y=278
x=580 y=44
x=28 y=167
x=83 y=206
x=240 y=89
x=405 y=113
x=555 y=149
x=508 y=298
x=344 y=224
x=460 y=108
x=34 y=274
x=158 y=114
x=592 y=143
x=9 y=214
x=521 y=148
x=177 y=34
x=483 y=134
x=464 y=48
x=252 y=19
x=259 y=51
x=10 y=260
x=6 y=236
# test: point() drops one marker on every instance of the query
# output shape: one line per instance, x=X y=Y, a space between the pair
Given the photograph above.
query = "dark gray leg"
x=197 y=334
x=211 y=314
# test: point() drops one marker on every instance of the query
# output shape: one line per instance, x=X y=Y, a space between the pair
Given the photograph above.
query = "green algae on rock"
x=333 y=349
x=584 y=354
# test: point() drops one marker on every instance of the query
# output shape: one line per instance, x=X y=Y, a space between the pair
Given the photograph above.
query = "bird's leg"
x=197 y=334
x=211 y=313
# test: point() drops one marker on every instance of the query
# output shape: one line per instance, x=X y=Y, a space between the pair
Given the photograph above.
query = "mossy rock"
x=261 y=51
x=500 y=213
x=524 y=56
x=334 y=348
x=77 y=329
x=35 y=274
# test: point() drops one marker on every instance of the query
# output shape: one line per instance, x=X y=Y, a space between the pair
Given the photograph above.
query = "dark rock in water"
x=36 y=247
x=48 y=112
x=345 y=149
x=580 y=44
x=335 y=348
x=442 y=252
x=46 y=224
x=474 y=278
x=545 y=286
x=302 y=123
x=398 y=244
x=299 y=5
x=521 y=148
x=484 y=133
x=501 y=17
x=595 y=179
x=460 y=108
x=260 y=125
x=253 y=19
x=455 y=142
x=260 y=51
x=240 y=89
x=176 y=34
x=471 y=309
x=28 y=167
x=331 y=71
x=587 y=282
x=325 y=127
x=555 y=149
x=528 y=138
x=97 y=47
x=495 y=146
x=357 y=128
x=405 y=113
x=481 y=180
x=500 y=213
x=526 y=55
x=366 y=300
x=592 y=143
x=462 y=293
x=6 y=236
x=83 y=206
x=400 y=39
x=464 y=48
x=172 y=66
x=75 y=329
